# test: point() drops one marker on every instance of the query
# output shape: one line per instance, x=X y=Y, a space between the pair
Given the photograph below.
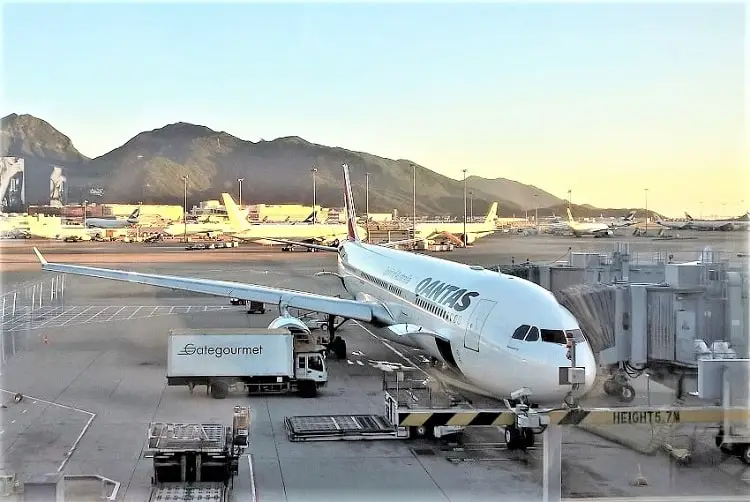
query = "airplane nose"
x=585 y=358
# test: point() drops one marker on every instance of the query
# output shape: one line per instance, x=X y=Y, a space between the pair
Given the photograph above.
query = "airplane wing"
x=348 y=309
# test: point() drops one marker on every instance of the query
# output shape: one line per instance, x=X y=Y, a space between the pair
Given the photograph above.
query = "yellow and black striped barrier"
x=591 y=416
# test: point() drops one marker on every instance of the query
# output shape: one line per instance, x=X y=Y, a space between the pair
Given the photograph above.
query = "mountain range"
x=149 y=168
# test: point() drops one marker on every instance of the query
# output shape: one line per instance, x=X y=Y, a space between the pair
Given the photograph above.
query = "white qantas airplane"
x=595 y=229
x=499 y=332
x=113 y=222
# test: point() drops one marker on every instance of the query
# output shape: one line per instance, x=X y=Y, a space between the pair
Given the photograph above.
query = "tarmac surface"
x=91 y=364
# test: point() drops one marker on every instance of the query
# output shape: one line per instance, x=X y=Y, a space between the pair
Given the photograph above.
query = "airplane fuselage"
x=474 y=312
x=107 y=223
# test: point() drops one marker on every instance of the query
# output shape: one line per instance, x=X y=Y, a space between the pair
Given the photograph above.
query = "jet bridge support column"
x=552 y=464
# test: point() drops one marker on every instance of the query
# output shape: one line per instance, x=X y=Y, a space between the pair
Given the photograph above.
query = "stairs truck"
x=253 y=360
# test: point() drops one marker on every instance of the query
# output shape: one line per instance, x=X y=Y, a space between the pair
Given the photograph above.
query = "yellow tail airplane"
x=269 y=233
x=455 y=231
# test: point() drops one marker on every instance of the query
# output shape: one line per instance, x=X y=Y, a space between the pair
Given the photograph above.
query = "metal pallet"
x=169 y=437
x=332 y=427
x=174 y=492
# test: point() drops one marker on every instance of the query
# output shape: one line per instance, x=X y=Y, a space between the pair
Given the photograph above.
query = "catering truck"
x=256 y=361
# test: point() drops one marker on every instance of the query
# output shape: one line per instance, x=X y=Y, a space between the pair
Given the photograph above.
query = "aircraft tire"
x=627 y=393
x=609 y=387
x=527 y=438
x=512 y=437
x=339 y=347
x=745 y=454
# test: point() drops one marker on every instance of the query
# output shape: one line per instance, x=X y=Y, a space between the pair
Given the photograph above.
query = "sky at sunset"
x=603 y=99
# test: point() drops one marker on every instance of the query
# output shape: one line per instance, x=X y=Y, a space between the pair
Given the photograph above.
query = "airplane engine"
x=293 y=324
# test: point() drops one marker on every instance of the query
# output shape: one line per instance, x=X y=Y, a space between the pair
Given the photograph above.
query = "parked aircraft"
x=501 y=333
x=627 y=221
x=726 y=225
x=209 y=226
x=114 y=222
x=455 y=231
x=595 y=229
x=268 y=233
x=675 y=224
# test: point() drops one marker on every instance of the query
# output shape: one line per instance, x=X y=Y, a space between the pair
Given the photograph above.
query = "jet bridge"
x=652 y=314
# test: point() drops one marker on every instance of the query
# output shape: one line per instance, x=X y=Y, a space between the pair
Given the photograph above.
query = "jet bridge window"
x=533 y=334
x=521 y=331
x=553 y=336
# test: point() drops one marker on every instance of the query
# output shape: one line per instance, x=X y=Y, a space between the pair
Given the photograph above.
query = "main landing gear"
x=619 y=386
x=336 y=344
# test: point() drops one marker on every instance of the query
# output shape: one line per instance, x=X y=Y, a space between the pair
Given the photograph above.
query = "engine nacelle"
x=293 y=324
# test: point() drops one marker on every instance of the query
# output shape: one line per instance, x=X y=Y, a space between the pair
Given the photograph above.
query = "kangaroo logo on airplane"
x=445 y=294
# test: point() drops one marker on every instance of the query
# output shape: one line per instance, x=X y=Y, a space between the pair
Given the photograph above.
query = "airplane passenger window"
x=577 y=335
x=554 y=336
x=533 y=335
x=521 y=331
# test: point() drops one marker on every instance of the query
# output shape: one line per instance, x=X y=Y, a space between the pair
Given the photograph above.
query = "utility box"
x=45 y=488
x=684 y=275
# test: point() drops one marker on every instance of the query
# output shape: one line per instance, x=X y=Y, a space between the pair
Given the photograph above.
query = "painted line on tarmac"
x=73 y=447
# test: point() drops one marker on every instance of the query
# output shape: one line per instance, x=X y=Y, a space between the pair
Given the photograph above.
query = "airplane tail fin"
x=351 y=215
x=570 y=216
x=133 y=218
x=309 y=219
x=233 y=212
x=689 y=218
x=630 y=216
x=491 y=214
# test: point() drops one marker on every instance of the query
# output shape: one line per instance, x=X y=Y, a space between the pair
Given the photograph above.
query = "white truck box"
x=230 y=353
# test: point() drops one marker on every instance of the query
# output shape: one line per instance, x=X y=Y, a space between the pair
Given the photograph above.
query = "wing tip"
x=39 y=256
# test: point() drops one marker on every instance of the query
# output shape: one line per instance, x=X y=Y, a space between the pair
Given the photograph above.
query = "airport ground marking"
x=73 y=447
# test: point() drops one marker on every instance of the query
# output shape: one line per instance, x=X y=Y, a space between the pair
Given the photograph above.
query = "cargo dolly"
x=194 y=461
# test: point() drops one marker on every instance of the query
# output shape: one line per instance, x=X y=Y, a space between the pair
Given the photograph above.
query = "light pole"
x=464 y=171
x=646 y=190
x=471 y=205
x=414 y=201
x=184 y=207
x=240 y=180
x=569 y=197
x=367 y=196
x=314 y=172
x=85 y=202
x=536 y=210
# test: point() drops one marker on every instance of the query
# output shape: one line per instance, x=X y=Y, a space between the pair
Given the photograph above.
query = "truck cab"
x=310 y=363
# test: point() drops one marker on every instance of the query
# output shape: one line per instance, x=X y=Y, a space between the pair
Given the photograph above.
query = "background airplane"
x=268 y=233
x=725 y=225
x=114 y=222
x=455 y=231
x=627 y=221
x=499 y=333
x=595 y=229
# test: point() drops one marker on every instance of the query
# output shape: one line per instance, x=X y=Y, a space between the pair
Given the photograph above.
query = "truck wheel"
x=745 y=455
x=307 y=389
x=339 y=347
x=219 y=390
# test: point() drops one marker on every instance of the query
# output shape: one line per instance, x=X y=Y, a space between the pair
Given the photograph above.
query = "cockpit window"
x=521 y=331
x=577 y=335
x=554 y=336
x=533 y=335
